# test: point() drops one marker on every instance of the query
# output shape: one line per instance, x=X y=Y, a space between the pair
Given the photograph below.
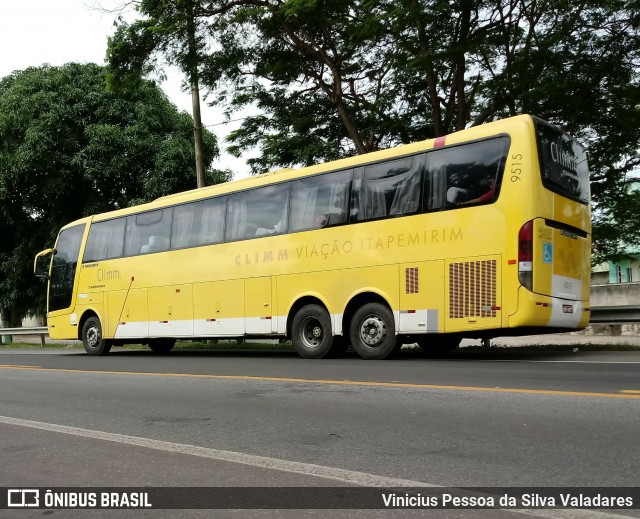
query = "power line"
x=226 y=122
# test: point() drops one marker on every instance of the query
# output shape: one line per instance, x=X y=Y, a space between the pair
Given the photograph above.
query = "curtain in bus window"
x=212 y=225
x=390 y=188
x=236 y=218
x=304 y=206
x=106 y=240
x=436 y=188
x=258 y=212
x=198 y=223
x=183 y=234
x=468 y=174
x=148 y=232
x=320 y=201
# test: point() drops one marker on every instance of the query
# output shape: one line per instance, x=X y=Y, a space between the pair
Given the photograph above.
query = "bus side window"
x=390 y=188
x=148 y=232
x=258 y=212
x=106 y=240
x=198 y=223
x=465 y=174
x=319 y=201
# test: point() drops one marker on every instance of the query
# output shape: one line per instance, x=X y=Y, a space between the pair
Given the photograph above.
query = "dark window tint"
x=148 y=232
x=63 y=270
x=258 y=212
x=106 y=240
x=199 y=223
x=563 y=163
x=389 y=188
x=320 y=201
x=464 y=175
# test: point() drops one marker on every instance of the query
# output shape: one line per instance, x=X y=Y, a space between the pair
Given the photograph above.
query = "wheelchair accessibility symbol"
x=547 y=252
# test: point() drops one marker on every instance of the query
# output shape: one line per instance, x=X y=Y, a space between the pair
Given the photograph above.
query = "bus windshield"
x=63 y=270
x=563 y=163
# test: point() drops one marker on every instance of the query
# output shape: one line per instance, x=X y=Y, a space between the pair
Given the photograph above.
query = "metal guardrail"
x=42 y=331
x=622 y=314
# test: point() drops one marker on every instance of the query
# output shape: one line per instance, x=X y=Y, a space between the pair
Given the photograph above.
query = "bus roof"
x=476 y=132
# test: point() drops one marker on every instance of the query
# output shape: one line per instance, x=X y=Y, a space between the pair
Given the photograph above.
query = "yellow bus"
x=483 y=233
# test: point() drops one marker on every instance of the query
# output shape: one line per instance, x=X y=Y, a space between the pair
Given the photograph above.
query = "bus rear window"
x=563 y=163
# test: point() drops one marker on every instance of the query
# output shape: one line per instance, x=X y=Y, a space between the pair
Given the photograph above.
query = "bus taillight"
x=525 y=255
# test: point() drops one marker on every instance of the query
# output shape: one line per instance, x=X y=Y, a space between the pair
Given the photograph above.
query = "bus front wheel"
x=311 y=332
x=373 y=332
x=92 y=340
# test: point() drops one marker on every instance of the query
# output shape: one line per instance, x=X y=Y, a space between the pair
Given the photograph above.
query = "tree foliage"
x=329 y=78
x=167 y=33
x=69 y=148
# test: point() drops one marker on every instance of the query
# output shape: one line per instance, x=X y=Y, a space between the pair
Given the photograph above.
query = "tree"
x=69 y=148
x=167 y=30
x=317 y=70
x=336 y=78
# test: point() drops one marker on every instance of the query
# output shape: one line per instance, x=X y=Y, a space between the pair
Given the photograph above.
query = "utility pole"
x=195 y=95
x=5 y=322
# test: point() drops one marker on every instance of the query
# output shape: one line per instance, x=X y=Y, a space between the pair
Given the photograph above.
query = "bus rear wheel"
x=162 y=345
x=92 y=340
x=311 y=332
x=373 y=332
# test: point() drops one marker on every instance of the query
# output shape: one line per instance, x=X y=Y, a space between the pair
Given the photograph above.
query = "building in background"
x=623 y=271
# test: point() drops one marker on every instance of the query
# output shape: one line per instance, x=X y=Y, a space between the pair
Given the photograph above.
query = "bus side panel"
x=258 y=306
x=128 y=314
x=218 y=308
x=473 y=294
x=171 y=311
x=421 y=297
x=336 y=288
x=93 y=301
x=63 y=326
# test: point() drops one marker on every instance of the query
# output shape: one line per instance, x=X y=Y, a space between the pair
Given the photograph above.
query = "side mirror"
x=40 y=266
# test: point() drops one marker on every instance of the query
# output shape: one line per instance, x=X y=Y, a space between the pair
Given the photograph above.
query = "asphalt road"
x=250 y=418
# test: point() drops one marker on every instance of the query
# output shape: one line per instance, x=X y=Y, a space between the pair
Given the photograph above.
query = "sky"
x=35 y=32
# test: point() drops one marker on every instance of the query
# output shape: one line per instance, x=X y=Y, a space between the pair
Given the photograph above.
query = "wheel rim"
x=311 y=332
x=373 y=331
x=93 y=337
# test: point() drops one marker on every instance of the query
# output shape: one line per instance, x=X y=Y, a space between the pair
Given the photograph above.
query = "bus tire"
x=373 y=332
x=162 y=345
x=438 y=345
x=311 y=332
x=92 y=340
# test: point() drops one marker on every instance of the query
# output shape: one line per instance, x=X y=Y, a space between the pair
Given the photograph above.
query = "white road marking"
x=308 y=469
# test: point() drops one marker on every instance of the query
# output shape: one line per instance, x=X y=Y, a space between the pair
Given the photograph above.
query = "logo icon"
x=547 y=252
x=23 y=498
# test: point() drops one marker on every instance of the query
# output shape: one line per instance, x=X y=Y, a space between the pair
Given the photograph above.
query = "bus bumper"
x=535 y=310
